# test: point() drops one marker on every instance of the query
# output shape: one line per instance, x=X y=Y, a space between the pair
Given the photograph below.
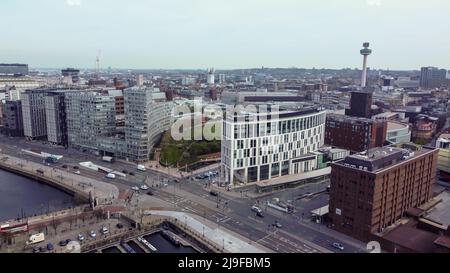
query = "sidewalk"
x=334 y=234
x=151 y=165
x=67 y=180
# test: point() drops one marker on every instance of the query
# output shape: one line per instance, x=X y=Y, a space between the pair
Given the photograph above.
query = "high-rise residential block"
x=55 y=109
x=432 y=77
x=12 y=118
x=147 y=115
x=89 y=115
x=34 y=116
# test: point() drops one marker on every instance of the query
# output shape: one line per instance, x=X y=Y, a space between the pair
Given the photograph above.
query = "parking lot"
x=84 y=233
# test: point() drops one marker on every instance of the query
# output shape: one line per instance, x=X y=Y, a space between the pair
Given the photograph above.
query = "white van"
x=110 y=176
x=36 y=238
x=141 y=168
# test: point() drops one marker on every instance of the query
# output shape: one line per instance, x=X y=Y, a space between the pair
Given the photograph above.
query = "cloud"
x=373 y=2
x=73 y=3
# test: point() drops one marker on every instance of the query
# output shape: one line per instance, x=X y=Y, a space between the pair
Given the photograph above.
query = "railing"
x=41 y=173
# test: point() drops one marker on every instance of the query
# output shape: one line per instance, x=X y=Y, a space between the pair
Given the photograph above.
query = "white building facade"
x=258 y=148
x=147 y=116
x=398 y=132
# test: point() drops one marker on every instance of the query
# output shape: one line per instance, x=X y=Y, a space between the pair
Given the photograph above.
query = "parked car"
x=35 y=249
x=77 y=172
x=144 y=187
x=150 y=193
x=135 y=188
x=131 y=173
x=93 y=234
x=338 y=246
x=64 y=166
x=259 y=214
x=76 y=167
x=124 y=171
x=104 y=230
x=42 y=249
x=213 y=193
x=119 y=225
x=63 y=243
x=80 y=237
x=50 y=247
x=277 y=224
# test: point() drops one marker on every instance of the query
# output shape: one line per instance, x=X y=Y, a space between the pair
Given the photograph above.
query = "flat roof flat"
x=293 y=178
x=416 y=239
x=381 y=158
x=395 y=125
x=441 y=212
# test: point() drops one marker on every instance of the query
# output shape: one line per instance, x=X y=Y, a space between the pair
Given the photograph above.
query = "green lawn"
x=185 y=151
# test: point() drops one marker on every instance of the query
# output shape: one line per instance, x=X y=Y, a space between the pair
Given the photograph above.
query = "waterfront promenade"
x=80 y=186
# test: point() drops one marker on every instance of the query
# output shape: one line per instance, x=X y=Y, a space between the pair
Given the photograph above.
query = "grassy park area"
x=184 y=152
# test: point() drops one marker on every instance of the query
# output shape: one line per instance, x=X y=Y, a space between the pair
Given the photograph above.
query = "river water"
x=24 y=197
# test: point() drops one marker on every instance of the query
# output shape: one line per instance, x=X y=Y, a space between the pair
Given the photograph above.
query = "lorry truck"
x=35 y=239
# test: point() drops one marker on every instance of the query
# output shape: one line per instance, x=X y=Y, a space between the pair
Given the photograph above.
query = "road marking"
x=264 y=238
x=226 y=220
x=256 y=220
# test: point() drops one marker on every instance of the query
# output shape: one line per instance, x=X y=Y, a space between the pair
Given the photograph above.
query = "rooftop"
x=338 y=117
x=412 y=238
x=378 y=159
x=393 y=126
x=272 y=112
x=445 y=137
x=441 y=212
x=385 y=115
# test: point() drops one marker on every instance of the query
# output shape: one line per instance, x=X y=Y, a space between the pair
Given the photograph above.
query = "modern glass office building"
x=260 y=146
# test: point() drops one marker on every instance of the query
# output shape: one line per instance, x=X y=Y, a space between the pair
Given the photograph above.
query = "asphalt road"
x=296 y=235
x=240 y=210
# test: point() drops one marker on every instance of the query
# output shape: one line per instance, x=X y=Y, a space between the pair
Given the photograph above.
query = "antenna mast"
x=97 y=64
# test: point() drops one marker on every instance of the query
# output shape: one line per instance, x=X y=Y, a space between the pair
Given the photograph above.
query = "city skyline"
x=198 y=34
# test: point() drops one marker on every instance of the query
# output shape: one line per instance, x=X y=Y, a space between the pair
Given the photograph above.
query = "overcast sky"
x=404 y=34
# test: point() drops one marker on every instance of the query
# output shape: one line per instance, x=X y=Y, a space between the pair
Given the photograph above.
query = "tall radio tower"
x=365 y=52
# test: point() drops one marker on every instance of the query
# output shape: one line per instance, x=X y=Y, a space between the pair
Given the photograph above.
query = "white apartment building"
x=261 y=146
x=147 y=116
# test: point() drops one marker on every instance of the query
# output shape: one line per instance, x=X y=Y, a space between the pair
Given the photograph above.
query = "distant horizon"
x=231 y=69
x=226 y=34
